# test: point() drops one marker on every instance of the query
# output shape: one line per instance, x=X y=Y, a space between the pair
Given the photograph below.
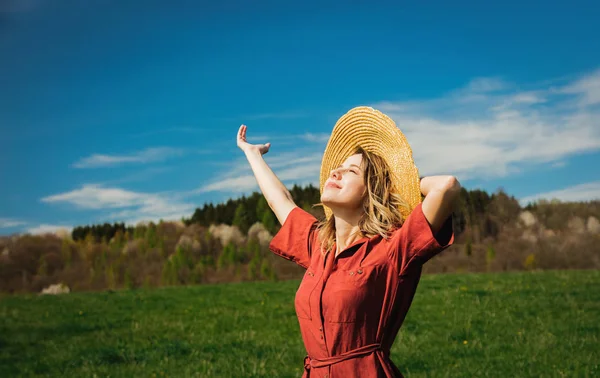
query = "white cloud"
x=97 y=197
x=148 y=155
x=485 y=85
x=300 y=166
x=586 y=88
x=8 y=223
x=582 y=192
x=232 y=184
x=48 y=229
x=316 y=137
x=132 y=206
x=488 y=130
x=293 y=158
x=301 y=172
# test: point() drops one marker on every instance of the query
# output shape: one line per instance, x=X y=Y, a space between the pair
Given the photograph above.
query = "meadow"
x=519 y=324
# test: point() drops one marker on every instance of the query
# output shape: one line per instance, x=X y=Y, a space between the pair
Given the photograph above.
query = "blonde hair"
x=381 y=204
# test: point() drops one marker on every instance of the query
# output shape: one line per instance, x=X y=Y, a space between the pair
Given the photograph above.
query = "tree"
x=506 y=208
x=151 y=237
x=262 y=206
x=139 y=231
x=268 y=220
x=229 y=256
x=241 y=219
x=119 y=238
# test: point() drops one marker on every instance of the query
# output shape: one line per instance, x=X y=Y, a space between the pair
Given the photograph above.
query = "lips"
x=332 y=185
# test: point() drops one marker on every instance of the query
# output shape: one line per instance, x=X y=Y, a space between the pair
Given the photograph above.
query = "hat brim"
x=376 y=133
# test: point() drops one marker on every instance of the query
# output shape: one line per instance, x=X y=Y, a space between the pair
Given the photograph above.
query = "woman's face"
x=345 y=187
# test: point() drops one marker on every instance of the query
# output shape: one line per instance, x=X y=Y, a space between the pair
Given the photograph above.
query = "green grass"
x=469 y=325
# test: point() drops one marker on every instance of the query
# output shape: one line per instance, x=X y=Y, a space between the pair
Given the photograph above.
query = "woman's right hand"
x=246 y=147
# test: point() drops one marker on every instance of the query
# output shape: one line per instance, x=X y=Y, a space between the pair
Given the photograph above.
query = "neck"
x=346 y=231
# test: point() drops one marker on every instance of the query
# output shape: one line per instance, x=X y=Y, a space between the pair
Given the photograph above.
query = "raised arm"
x=441 y=193
x=277 y=196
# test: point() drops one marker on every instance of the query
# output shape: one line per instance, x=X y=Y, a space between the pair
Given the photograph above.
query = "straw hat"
x=375 y=132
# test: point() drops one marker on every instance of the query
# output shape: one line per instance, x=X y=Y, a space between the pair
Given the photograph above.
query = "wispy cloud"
x=300 y=166
x=582 y=192
x=9 y=222
x=294 y=158
x=489 y=129
x=47 y=229
x=97 y=197
x=232 y=185
x=316 y=137
x=486 y=85
x=586 y=89
x=124 y=205
x=148 y=155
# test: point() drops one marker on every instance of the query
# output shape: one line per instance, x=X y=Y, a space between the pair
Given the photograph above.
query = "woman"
x=363 y=263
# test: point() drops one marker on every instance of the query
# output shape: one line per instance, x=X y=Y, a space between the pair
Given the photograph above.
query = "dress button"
x=351 y=273
x=359 y=271
x=320 y=328
x=321 y=336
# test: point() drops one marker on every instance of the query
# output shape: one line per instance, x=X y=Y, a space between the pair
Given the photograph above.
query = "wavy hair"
x=381 y=204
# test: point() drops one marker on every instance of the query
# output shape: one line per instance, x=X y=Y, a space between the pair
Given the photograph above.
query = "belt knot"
x=328 y=361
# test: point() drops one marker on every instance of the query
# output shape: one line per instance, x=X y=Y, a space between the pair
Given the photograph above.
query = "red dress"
x=351 y=307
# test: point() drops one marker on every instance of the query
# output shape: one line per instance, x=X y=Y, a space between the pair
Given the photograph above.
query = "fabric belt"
x=327 y=361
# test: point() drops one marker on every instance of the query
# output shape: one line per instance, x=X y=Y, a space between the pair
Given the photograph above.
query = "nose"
x=335 y=174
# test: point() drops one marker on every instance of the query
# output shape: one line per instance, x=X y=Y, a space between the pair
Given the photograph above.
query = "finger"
x=240 y=131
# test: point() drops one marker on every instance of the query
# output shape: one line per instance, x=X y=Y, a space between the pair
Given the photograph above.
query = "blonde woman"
x=364 y=261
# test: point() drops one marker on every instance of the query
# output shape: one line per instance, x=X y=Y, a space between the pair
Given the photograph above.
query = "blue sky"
x=128 y=110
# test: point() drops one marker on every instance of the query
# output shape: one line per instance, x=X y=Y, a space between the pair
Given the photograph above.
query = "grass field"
x=543 y=324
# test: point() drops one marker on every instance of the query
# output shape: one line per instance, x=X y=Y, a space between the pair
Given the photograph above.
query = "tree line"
x=480 y=213
x=245 y=211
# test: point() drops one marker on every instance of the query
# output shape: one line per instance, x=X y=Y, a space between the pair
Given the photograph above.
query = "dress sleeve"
x=297 y=237
x=415 y=243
